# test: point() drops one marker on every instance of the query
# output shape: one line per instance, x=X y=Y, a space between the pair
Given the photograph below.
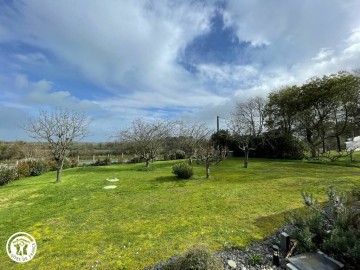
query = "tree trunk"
x=338 y=143
x=147 y=164
x=59 y=167
x=207 y=170
x=246 y=160
x=311 y=143
x=58 y=175
x=323 y=141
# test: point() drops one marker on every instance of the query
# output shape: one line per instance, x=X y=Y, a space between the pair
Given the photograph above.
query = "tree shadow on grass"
x=271 y=223
x=168 y=179
x=28 y=184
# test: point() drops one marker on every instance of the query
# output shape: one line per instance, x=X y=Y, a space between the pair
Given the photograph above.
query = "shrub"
x=67 y=164
x=7 y=175
x=195 y=259
x=344 y=244
x=305 y=239
x=102 y=162
x=32 y=167
x=180 y=154
x=182 y=170
x=51 y=165
x=38 y=167
x=23 y=169
x=136 y=160
x=169 y=156
x=333 y=228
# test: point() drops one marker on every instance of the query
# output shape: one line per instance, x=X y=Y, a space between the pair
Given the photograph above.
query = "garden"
x=151 y=215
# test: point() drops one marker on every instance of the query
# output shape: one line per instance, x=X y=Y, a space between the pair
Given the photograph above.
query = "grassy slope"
x=152 y=215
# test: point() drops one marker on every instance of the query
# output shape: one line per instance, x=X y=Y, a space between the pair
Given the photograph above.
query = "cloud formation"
x=192 y=59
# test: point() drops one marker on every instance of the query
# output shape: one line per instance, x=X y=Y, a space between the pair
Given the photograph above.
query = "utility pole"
x=217 y=123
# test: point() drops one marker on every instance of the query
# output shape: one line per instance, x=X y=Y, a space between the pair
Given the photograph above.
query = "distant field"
x=151 y=216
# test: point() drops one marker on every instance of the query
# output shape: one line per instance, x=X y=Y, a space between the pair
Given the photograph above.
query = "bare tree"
x=192 y=136
x=247 y=124
x=211 y=154
x=59 y=129
x=146 y=138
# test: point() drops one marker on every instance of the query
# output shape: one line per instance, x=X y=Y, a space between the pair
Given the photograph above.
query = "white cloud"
x=42 y=93
x=324 y=53
x=131 y=49
x=36 y=57
x=112 y=44
x=293 y=30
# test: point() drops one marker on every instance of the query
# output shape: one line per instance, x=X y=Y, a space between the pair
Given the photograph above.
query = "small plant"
x=254 y=259
x=182 y=171
x=197 y=258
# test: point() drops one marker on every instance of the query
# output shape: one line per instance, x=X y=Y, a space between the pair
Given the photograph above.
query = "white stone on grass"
x=231 y=263
x=109 y=187
x=112 y=179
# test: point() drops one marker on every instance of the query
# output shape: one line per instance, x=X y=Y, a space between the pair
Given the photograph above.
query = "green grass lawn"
x=151 y=215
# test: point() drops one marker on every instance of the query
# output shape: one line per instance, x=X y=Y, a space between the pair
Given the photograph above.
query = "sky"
x=119 y=60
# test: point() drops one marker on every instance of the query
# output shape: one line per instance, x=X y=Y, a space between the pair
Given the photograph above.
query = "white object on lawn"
x=112 y=179
x=109 y=187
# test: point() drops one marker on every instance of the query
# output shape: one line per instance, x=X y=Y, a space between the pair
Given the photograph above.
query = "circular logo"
x=21 y=247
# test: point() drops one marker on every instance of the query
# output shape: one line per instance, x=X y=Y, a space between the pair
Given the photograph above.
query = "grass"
x=152 y=215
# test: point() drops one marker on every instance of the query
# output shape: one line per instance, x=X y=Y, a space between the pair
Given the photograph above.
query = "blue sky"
x=120 y=60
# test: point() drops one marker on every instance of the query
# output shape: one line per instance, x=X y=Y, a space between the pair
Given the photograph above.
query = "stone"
x=231 y=263
x=112 y=180
x=312 y=260
x=109 y=187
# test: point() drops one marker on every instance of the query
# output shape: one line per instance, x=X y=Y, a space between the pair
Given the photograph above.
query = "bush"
x=102 y=162
x=7 y=175
x=23 y=169
x=38 y=167
x=170 y=156
x=136 y=160
x=182 y=170
x=67 y=164
x=195 y=259
x=333 y=228
x=279 y=146
x=305 y=239
x=344 y=244
x=180 y=154
x=32 y=167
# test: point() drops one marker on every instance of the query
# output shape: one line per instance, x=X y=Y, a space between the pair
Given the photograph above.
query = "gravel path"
x=242 y=257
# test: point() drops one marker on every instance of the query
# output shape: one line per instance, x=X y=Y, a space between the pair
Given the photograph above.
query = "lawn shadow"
x=168 y=179
x=354 y=164
x=29 y=184
x=271 y=223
